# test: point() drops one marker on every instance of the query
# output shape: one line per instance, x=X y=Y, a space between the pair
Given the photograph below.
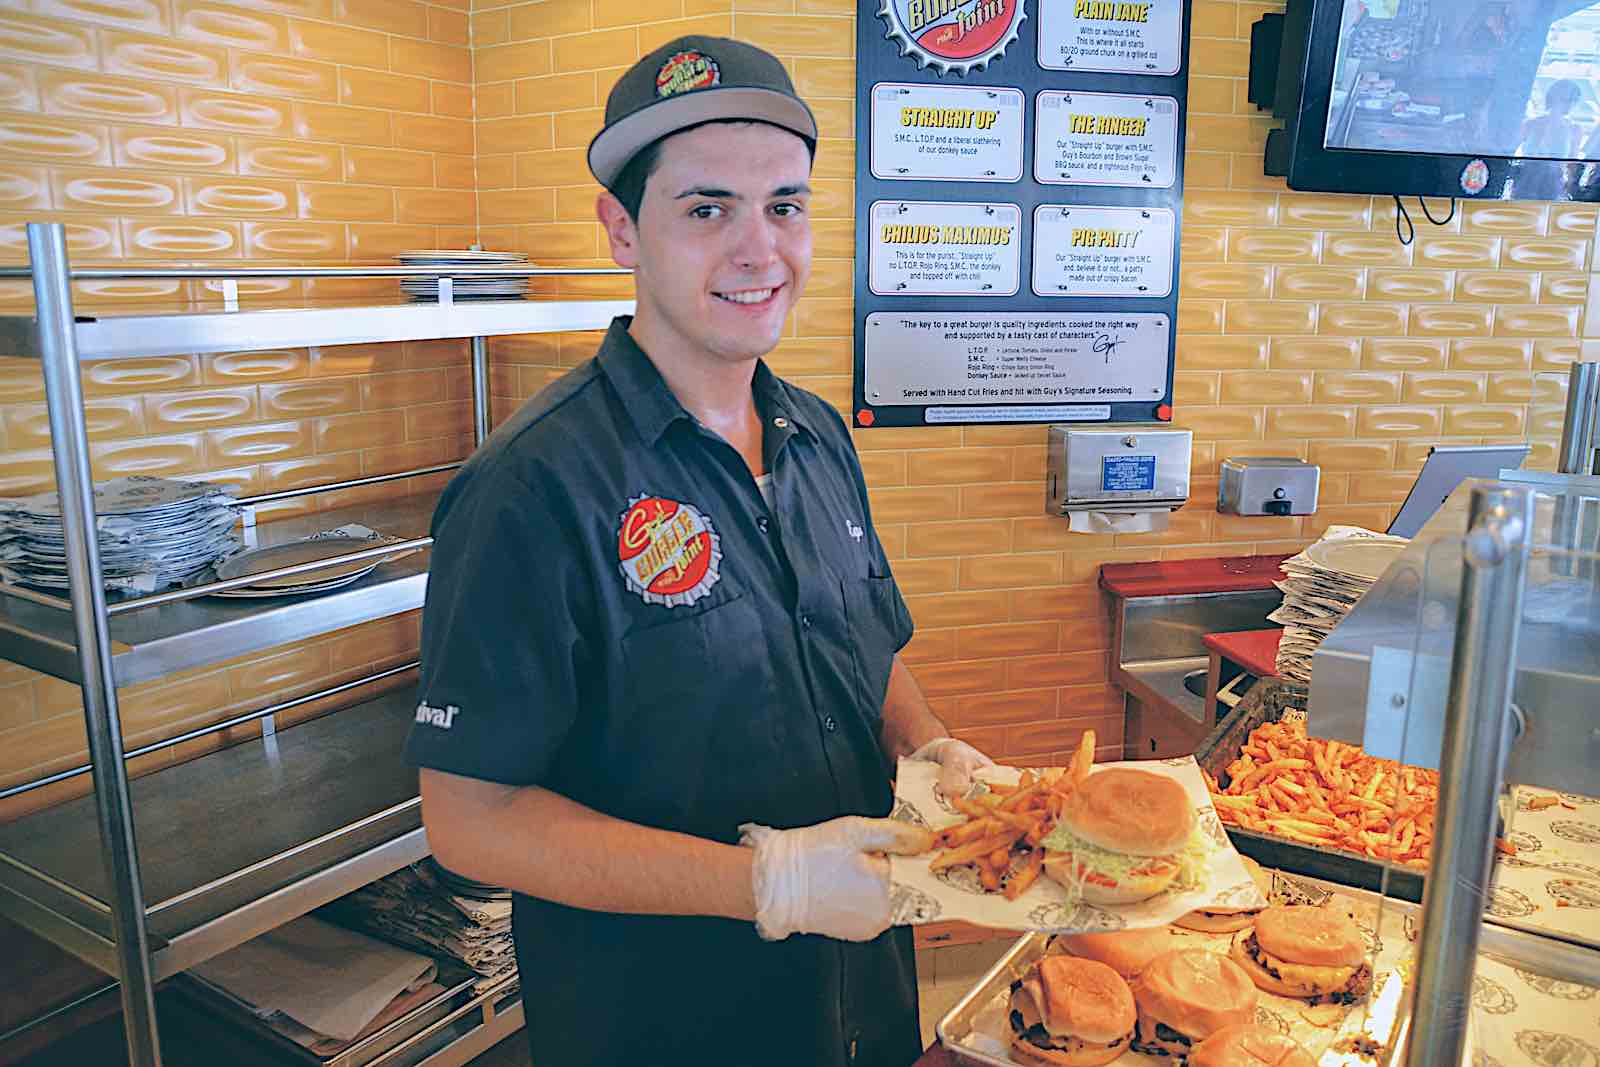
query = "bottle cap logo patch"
x=952 y=36
x=685 y=71
x=668 y=551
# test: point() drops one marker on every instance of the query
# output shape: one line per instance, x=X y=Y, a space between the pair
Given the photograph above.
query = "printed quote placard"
x=1102 y=251
x=946 y=133
x=1105 y=139
x=946 y=249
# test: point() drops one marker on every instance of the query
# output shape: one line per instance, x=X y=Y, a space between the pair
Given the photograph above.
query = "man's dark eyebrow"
x=726 y=194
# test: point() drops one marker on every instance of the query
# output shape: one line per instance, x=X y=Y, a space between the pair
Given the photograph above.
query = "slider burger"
x=1249 y=1046
x=1126 y=951
x=1217 y=920
x=1310 y=953
x=1124 y=835
x=1068 y=1012
x=1186 y=996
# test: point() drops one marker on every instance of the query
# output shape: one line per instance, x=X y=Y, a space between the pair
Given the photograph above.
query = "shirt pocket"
x=695 y=702
x=879 y=625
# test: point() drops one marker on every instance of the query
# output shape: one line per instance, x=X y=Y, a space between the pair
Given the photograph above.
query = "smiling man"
x=660 y=687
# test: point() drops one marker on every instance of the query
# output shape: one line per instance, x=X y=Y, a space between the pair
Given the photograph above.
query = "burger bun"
x=1314 y=936
x=1137 y=813
x=1247 y=1045
x=1125 y=951
x=1098 y=889
x=1222 y=920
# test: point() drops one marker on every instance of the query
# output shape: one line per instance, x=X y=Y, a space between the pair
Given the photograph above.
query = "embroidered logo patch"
x=685 y=71
x=668 y=551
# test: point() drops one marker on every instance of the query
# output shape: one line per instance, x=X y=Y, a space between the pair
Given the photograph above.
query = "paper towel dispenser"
x=1128 y=468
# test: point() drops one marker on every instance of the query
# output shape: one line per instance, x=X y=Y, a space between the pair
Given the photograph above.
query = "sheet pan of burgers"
x=1315 y=977
x=1268 y=986
x=1066 y=850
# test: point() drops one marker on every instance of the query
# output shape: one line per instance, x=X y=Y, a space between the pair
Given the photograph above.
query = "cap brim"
x=611 y=149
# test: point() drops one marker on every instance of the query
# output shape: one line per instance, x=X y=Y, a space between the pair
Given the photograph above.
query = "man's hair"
x=630 y=183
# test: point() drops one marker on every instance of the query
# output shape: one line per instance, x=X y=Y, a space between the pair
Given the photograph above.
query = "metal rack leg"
x=47 y=251
x=1482 y=673
x=480 y=389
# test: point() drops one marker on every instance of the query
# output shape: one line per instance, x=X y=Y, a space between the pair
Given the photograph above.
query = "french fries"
x=1329 y=795
x=1003 y=836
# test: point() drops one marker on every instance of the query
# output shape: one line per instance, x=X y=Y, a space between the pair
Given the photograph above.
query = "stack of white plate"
x=153 y=532
x=427 y=289
x=1320 y=587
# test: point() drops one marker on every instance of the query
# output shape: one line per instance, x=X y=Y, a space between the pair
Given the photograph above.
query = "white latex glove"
x=830 y=879
x=957 y=761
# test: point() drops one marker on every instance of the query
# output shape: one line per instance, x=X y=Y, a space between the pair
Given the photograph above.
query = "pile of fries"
x=1006 y=826
x=1329 y=794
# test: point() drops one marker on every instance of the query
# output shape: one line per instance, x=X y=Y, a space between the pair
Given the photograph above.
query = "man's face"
x=722 y=246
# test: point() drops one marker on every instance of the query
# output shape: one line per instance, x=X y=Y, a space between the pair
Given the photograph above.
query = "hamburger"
x=1070 y=1012
x=1220 y=920
x=1311 y=953
x=1249 y=1046
x=1186 y=996
x=1124 y=835
x=1126 y=951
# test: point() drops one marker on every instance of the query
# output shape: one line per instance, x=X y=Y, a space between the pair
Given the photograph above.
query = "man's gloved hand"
x=957 y=760
x=830 y=879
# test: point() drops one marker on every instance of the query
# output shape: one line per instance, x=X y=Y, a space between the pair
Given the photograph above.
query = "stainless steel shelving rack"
x=201 y=856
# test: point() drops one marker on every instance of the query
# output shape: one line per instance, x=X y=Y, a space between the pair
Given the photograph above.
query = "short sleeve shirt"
x=616 y=614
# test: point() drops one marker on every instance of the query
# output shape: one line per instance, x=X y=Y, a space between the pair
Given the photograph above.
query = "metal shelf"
x=232 y=844
x=159 y=640
x=190 y=331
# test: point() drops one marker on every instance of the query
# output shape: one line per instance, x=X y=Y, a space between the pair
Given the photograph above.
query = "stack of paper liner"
x=919 y=896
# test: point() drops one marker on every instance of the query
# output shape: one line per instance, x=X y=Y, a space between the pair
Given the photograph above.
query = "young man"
x=659 y=623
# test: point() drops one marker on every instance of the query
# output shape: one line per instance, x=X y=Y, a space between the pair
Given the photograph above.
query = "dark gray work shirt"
x=615 y=614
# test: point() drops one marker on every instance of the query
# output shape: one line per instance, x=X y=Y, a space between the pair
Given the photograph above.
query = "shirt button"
x=805 y=622
x=781 y=423
x=830 y=724
x=762 y=523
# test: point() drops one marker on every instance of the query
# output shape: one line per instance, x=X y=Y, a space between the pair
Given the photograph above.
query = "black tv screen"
x=1492 y=98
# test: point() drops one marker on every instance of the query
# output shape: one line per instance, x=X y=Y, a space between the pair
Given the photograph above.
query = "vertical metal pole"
x=1482 y=672
x=1577 y=455
x=480 y=389
x=52 y=289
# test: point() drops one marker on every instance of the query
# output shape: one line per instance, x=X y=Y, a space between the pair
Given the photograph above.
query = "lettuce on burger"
x=1124 y=835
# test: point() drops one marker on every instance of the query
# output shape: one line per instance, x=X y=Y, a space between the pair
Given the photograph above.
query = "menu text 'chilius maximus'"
x=1111 y=11
x=896 y=233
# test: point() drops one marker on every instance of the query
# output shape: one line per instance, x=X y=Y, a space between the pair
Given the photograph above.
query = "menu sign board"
x=946 y=133
x=1102 y=251
x=1017 y=198
x=1118 y=36
x=945 y=249
x=1021 y=357
x=1105 y=139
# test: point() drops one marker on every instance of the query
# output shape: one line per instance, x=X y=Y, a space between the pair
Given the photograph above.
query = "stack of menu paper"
x=432 y=910
x=1319 y=588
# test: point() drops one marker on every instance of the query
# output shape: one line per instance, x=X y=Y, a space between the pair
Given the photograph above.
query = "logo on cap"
x=668 y=551
x=686 y=71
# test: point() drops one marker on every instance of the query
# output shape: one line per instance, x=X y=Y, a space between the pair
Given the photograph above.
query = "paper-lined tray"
x=919 y=895
x=1552 y=883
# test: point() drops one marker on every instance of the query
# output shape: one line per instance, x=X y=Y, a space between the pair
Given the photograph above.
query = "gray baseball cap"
x=690 y=81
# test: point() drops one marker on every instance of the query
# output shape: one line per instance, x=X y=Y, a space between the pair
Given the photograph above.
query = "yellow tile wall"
x=345 y=130
x=1305 y=329
x=225 y=131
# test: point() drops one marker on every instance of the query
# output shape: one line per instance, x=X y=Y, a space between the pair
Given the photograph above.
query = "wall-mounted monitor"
x=1493 y=99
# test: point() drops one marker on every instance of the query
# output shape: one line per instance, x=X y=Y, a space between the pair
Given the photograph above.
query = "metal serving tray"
x=1376 y=1018
x=1547 y=970
x=1267 y=701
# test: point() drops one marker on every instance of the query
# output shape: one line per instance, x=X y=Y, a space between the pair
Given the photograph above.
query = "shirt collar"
x=650 y=403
